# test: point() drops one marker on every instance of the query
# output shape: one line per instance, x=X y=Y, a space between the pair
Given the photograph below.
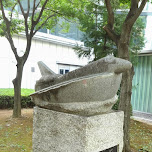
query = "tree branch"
x=110 y=13
x=109 y=28
x=28 y=10
x=134 y=4
x=32 y=19
x=21 y=7
x=25 y=18
x=37 y=4
x=141 y=7
x=111 y=34
x=27 y=51
x=135 y=11
x=43 y=23
x=41 y=12
x=8 y=32
x=33 y=12
x=56 y=12
x=12 y=11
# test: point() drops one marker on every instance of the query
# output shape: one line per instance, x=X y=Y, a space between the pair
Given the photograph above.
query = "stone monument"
x=73 y=111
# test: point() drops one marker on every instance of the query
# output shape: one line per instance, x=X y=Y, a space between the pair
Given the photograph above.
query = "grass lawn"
x=141 y=136
x=10 y=91
x=16 y=134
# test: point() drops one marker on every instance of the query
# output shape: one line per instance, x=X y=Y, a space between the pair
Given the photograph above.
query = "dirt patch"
x=16 y=133
x=5 y=114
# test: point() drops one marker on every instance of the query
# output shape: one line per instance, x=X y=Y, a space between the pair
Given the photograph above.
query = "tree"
x=96 y=39
x=122 y=41
x=39 y=14
x=116 y=39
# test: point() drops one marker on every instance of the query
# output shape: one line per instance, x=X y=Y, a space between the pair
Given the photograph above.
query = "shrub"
x=7 y=98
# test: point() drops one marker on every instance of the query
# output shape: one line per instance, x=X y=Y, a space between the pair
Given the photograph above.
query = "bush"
x=7 y=98
x=115 y=106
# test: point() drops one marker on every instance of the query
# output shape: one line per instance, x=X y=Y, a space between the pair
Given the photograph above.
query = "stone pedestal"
x=62 y=132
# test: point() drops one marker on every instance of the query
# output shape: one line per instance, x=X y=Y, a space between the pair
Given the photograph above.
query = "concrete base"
x=62 y=132
x=142 y=116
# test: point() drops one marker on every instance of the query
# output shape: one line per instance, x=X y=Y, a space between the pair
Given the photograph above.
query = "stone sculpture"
x=86 y=91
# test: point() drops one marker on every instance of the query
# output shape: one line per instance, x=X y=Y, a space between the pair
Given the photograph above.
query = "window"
x=66 y=71
x=25 y=5
x=73 y=33
x=63 y=71
x=65 y=68
x=32 y=69
x=43 y=30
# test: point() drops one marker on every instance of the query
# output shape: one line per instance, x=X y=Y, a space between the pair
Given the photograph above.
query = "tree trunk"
x=122 y=42
x=125 y=104
x=17 y=90
x=125 y=94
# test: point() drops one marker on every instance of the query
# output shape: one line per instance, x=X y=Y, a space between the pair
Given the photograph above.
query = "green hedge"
x=7 y=98
x=6 y=102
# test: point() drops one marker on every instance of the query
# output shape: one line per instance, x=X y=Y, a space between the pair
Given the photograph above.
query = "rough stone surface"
x=96 y=91
x=83 y=109
x=96 y=88
x=61 y=132
x=95 y=84
x=48 y=76
x=107 y=64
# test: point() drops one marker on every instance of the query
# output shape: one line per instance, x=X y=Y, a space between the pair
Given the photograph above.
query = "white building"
x=147 y=14
x=54 y=51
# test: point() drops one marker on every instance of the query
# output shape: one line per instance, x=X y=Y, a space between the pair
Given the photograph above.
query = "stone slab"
x=62 y=132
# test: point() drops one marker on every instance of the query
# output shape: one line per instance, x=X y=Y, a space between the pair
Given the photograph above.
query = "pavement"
x=142 y=117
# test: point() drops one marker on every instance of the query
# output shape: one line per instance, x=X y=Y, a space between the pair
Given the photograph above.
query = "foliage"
x=54 y=9
x=7 y=98
x=16 y=23
x=96 y=39
x=6 y=102
x=37 y=15
x=122 y=42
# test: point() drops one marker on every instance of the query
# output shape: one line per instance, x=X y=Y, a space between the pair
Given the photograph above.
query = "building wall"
x=142 y=85
x=147 y=14
x=54 y=54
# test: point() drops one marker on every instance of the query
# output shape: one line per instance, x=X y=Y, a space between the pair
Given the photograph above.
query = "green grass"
x=10 y=92
x=7 y=98
x=141 y=136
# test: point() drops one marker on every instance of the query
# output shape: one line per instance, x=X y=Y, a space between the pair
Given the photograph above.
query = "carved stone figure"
x=85 y=91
